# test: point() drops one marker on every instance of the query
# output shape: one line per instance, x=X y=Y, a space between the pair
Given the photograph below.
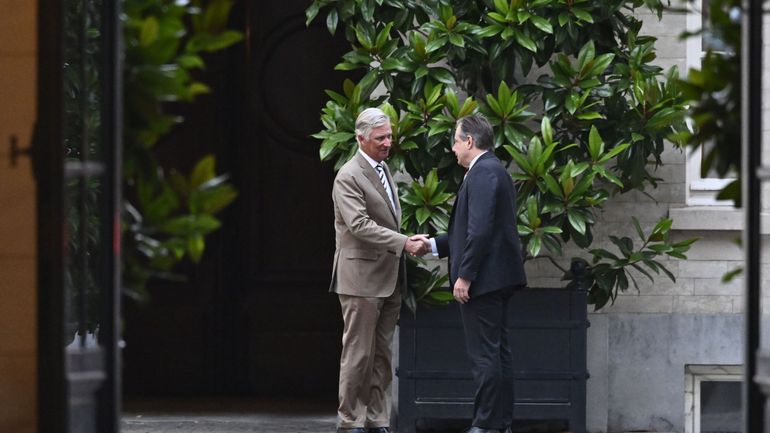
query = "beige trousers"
x=366 y=360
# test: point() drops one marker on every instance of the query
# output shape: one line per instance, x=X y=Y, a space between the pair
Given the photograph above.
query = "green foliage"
x=167 y=216
x=609 y=270
x=422 y=283
x=576 y=104
x=426 y=207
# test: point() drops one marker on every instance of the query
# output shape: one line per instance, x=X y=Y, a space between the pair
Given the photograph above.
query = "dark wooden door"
x=292 y=323
x=255 y=318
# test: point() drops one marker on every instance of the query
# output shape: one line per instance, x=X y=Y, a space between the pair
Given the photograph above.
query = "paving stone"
x=228 y=416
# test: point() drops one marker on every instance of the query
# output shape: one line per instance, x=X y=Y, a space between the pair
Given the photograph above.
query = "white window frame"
x=694 y=376
x=700 y=191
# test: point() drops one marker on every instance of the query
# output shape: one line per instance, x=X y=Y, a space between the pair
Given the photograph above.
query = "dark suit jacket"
x=483 y=243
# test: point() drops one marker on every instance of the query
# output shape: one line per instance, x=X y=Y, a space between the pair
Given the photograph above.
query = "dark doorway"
x=255 y=318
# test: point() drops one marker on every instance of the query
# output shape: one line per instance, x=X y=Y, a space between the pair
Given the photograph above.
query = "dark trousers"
x=485 y=323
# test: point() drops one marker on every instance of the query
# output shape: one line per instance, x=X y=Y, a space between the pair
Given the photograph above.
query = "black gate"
x=76 y=153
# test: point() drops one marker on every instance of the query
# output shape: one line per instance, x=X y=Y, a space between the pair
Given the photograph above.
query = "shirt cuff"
x=433 y=248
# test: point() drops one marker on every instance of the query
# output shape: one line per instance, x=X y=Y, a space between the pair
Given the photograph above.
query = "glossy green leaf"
x=191 y=61
x=203 y=171
x=191 y=224
x=542 y=24
x=436 y=44
x=457 y=40
x=494 y=105
x=617 y=150
x=311 y=12
x=583 y=15
x=577 y=221
x=195 y=247
x=525 y=41
x=599 y=64
x=590 y=115
x=149 y=32
x=586 y=55
x=534 y=245
x=595 y=144
x=382 y=37
x=442 y=75
x=489 y=31
x=422 y=214
x=215 y=16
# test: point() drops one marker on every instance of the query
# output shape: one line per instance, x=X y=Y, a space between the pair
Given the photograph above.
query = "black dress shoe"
x=351 y=430
x=378 y=430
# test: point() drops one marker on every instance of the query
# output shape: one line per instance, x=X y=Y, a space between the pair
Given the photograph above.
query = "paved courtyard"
x=227 y=416
x=260 y=416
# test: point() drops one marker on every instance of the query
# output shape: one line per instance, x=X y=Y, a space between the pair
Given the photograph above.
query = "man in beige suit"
x=369 y=272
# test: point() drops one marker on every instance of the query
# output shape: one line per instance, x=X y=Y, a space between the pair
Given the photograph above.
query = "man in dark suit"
x=368 y=275
x=485 y=267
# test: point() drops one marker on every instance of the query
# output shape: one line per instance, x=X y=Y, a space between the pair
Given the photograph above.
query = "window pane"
x=720 y=407
x=709 y=39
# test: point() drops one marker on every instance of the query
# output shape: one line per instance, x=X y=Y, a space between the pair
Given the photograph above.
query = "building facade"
x=663 y=358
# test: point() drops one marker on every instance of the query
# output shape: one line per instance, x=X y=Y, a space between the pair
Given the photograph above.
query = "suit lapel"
x=371 y=174
x=462 y=192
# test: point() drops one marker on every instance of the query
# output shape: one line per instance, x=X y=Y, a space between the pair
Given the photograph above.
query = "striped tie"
x=381 y=174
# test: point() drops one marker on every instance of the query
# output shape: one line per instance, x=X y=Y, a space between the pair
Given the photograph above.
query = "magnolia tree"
x=579 y=111
x=168 y=214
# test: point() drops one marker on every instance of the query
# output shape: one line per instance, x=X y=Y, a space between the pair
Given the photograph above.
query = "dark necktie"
x=381 y=174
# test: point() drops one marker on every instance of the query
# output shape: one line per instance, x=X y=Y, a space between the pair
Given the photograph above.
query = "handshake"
x=418 y=245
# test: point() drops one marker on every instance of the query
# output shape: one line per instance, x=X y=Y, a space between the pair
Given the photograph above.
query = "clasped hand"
x=418 y=245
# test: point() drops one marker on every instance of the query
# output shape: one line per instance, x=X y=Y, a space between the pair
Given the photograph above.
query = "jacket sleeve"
x=442 y=245
x=351 y=203
x=482 y=196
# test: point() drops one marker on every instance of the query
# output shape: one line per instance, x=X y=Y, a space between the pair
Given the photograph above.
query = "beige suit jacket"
x=368 y=257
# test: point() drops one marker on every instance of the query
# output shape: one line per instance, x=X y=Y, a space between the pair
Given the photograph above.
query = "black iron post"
x=48 y=166
x=751 y=118
x=112 y=139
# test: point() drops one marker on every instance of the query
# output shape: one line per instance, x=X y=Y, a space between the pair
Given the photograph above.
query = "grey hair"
x=369 y=119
